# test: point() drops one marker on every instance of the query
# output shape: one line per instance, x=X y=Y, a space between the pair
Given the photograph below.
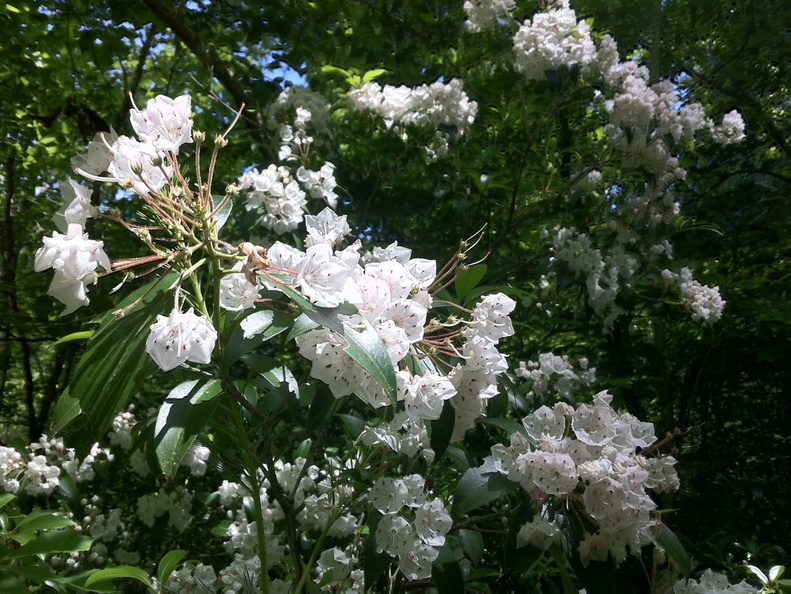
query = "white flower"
x=97 y=159
x=75 y=258
x=77 y=207
x=165 y=123
x=432 y=522
x=554 y=39
x=180 y=337
x=236 y=292
x=133 y=164
x=326 y=227
x=394 y=535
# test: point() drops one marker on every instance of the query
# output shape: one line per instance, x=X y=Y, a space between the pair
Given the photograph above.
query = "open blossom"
x=165 y=123
x=97 y=158
x=77 y=207
x=181 y=337
x=75 y=259
x=485 y=14
x=553 y=40
x=133 y=164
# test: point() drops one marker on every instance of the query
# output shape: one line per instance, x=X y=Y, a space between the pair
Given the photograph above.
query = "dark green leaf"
x=113 y=366
x=442 y=430
x=369 y=351
x=477 y=487
x=66 y=540
x=446 y=573
x=182 y=416
x=673 y=548
x=467 y=278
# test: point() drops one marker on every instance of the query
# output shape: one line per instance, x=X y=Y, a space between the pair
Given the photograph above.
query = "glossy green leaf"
x=673 y=548
x=66 y=540
x=446 y=573
x=43 y=520
x=477 y=487
x=253 y=331
x=182 y=416
x=225 y=211
x=374 y=564
x=6 y=498
x=472 y=543
x=119 y=572
x=168 y=564
x=113 y=366
x=368 y=349
x=467 y=278
x=442 y=430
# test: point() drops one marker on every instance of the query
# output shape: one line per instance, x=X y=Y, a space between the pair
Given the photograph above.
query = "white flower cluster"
x=553 y=40
x=176 y=504
x=486 y=14
x=603 y=275
x=180 y=337
x=476 y=380
x=412 y=527
x=279 y=193
x=703 y=301
x=320 y=496
x=297 y=114
x=142 y=163
x=644 y=116
x=75 y=258
x=283 y=195
x=732 y=128
x=162 y=128
x=712 y=583
x=390 y=293
x=39 y=471
x=437 y=104
x=197 y=579
x=556 y=374
x=591 y=452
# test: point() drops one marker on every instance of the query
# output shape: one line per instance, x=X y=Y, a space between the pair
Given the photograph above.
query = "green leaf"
x=369 y=351
x=321 y=408
x=374 y=564
x=372 y=74
x=510 y=426
x=477 y=487
x=43 y=520
x=354 y=425
x=168 y=564
x=446 y=573
x=254 y=330
x=467 y=278
x=520 y=558
x=182 y=416
x=114 y=366
x=673 y=548
x=11 y=585
x=65 y=411
x=472 y=544
x=222 y=215
x=6 y=498
x=84 y=335
x=302 y=325
x=66 y=540
x=442 y=430
x=122 y=571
